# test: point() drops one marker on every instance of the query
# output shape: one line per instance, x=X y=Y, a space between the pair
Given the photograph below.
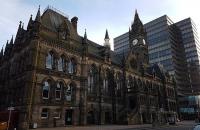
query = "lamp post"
x=10 y=112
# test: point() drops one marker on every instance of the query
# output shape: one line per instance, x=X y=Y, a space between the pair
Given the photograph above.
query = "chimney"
x=74 y=21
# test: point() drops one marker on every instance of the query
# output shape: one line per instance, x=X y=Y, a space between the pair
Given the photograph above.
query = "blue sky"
x=96 y=15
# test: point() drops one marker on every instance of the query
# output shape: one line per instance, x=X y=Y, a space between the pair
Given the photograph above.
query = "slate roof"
x=158 y=69
x=53 y=20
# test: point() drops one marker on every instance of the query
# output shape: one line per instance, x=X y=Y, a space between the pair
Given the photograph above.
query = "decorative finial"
x=22 y=25
x=135 y=11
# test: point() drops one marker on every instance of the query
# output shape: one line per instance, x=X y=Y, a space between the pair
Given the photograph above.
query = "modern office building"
x=164 y=47
x=191 y=44
x=121 y=43
x=190 y=40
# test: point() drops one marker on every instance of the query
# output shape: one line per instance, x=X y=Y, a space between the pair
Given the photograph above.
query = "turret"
x=30 y=22
x=85 y=45
x=11 y=40
x=36 y=25
x=6 y=48
x=106 y=39
x=38 y=17
x=107 y=46
x=19 y=31
x=85 y=37
x=1 y=54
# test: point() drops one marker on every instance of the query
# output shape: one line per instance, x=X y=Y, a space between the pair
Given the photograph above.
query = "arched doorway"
x=144 y=118
x=90 y=118
x=68 y=117
x=108 y=117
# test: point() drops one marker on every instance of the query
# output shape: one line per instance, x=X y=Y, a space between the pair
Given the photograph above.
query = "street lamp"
x=10 y=112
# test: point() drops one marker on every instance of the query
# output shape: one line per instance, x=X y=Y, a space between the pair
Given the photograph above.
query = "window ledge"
x=44 y=118
x=45 y=98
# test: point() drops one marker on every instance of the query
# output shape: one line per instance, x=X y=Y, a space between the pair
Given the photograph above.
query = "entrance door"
x=144 y=118
x=107 y=118
x=68 y=117
x=90 y=118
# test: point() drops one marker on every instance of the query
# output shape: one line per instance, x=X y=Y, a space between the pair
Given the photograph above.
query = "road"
x=184 y=125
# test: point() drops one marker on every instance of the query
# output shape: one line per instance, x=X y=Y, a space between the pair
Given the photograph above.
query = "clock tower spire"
x=137 y=42
x=137 y=33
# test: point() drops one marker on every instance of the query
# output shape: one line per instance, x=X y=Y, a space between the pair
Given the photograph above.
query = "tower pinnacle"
x=38 y=18
x=106 y=36
x=85 y=37
x=11 y=41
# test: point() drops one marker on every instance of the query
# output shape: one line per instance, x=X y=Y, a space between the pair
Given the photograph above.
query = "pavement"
x=184 y=125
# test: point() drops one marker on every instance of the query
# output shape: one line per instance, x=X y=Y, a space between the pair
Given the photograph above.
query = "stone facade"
x=54 y=77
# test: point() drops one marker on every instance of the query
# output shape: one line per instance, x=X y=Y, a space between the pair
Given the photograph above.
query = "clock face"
x=135 y=41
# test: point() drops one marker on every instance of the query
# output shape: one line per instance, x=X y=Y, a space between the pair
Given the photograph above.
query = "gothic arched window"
x=61 y=64
x=92 y=79
x=58 y=89
x=71 y=66
x=45 y=90
x=70 y=92
x=129 y=84
x=49 y=60
x=105 y=82
x=118 y=84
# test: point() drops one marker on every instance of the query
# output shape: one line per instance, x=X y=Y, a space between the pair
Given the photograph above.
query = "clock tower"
x=137 y=42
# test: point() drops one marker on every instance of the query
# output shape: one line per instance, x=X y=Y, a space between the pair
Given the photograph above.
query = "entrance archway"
x=90 y=118
x=68 y=116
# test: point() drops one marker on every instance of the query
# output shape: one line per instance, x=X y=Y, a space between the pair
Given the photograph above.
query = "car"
x=197 y=127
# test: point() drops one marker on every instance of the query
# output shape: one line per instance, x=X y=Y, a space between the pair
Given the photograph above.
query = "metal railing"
x=56 y=10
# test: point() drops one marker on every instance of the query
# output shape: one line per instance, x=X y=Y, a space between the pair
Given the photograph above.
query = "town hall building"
x=55 y=77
